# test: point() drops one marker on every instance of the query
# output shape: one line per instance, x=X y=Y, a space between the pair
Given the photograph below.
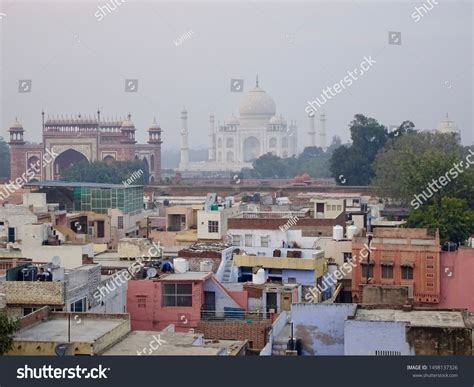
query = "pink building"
x=180 y=299
x=457 y=276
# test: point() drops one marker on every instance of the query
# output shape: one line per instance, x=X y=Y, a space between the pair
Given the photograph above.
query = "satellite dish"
x=56 y=261
x=151 y=272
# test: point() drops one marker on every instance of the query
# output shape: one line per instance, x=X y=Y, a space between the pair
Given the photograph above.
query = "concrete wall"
x=367 y=337
x=385 y=295
x=222 y=298
x=303 y=277
x=321 y=327
x=70 y=254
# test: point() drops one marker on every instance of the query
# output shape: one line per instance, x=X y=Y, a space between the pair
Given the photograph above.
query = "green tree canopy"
x=352 y=164
x=8 y=327
x=115 y=172
x=452 y=216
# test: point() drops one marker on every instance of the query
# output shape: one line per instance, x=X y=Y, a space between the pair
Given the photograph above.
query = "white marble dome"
x=257 y=103
x=232 y=120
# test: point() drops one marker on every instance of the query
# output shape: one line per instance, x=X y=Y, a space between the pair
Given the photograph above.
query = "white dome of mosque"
x=257 y=103
x=278 y=120
x=16 y=125
x=447 y=126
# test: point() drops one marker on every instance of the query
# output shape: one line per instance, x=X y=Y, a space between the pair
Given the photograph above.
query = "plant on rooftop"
x=8 y=327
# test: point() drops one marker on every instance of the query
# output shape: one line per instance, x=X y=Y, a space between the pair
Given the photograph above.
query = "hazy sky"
x=78 y=63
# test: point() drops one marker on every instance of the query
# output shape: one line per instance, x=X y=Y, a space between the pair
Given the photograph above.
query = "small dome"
x=306 y=177
x=128 y=124
x=278 y=120
x=298 y=179
x=16 y=125
x=154 y=125
x=232 y=120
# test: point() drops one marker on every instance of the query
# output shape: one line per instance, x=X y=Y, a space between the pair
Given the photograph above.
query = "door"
x=286 y=301
x=272 y=302
x=209 y=307
x=11 y=234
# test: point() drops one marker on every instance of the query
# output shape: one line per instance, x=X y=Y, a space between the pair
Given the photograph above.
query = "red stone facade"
x=71 y=140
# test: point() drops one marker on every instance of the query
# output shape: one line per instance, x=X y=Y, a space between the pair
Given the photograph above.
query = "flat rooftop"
x=56 y=329
x=173 y=344
x=416 y=318
x=188 y=276
x=72 y=184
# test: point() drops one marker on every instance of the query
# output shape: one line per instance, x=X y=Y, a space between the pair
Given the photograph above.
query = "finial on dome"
x=256 y=81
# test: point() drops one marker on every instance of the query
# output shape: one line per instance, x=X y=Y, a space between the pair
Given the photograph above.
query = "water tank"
x=351 y=231
x=259 y=277
x=332 y=267
x=337 y=233
x=180 y=265
x=205 y=266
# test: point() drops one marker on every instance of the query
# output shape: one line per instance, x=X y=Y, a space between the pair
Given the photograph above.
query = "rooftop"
x=173 y=344
x=65 y=184
x=188 y=276
x=416 y=318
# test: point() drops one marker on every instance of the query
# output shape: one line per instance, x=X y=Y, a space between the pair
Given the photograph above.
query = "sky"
x=78 y=61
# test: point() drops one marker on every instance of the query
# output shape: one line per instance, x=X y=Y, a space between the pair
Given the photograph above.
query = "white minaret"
x=212 y=139
x=312 y=130
x=183 y=165
x=322 y=132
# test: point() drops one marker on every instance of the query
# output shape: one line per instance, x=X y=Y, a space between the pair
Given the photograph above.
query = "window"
x=347 y=257
x=236 y=240
x=141 y=301
x=291 y=280
x=248 y=240
x=120 y=222
x=78 y=306
x=100 y=229
x=388 y=353
x=273 y=142
x=213 y=226
x=339 y=207
x=369 y=268
x=264 y=241
x=407 y=272
x=177 y=295
x=230 y=142
x=387 y=271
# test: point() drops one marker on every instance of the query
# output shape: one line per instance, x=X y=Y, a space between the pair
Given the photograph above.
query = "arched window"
x=230 y=142
x=284 y=143
x=230 y=157
x=219 y=156
x=273 y=142
x=219 y=143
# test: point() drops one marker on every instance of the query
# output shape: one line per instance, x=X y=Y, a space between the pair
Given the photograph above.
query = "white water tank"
x=205 y=266
x=337 y=233
x=351 y=231
x=259 y=277
x=180 y=265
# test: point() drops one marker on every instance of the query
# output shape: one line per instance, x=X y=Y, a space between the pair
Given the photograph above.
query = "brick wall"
x=33 y=293
x=255 y=332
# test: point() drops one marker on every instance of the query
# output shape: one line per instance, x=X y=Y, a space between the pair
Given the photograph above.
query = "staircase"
x=227 y=271
x=280 y=342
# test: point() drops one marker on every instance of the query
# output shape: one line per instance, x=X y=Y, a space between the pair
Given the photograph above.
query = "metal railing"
x=234 y=314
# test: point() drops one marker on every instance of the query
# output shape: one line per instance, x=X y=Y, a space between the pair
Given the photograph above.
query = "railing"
x=234 y=314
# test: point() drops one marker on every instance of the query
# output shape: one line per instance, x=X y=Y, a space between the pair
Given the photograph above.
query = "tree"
x=7 y=328
x=408 y=169
x=115 y=172
x=352 y=164
x=452 y=216
x=4 y=159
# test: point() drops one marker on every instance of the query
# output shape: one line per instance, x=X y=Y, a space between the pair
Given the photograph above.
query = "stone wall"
x=33 y=293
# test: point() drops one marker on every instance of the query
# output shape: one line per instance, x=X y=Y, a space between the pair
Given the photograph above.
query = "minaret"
x=322 y=133
x=183 y=165
x=212 y=139
x=312 y=130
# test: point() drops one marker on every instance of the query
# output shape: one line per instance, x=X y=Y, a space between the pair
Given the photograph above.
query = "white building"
x=239 y=140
